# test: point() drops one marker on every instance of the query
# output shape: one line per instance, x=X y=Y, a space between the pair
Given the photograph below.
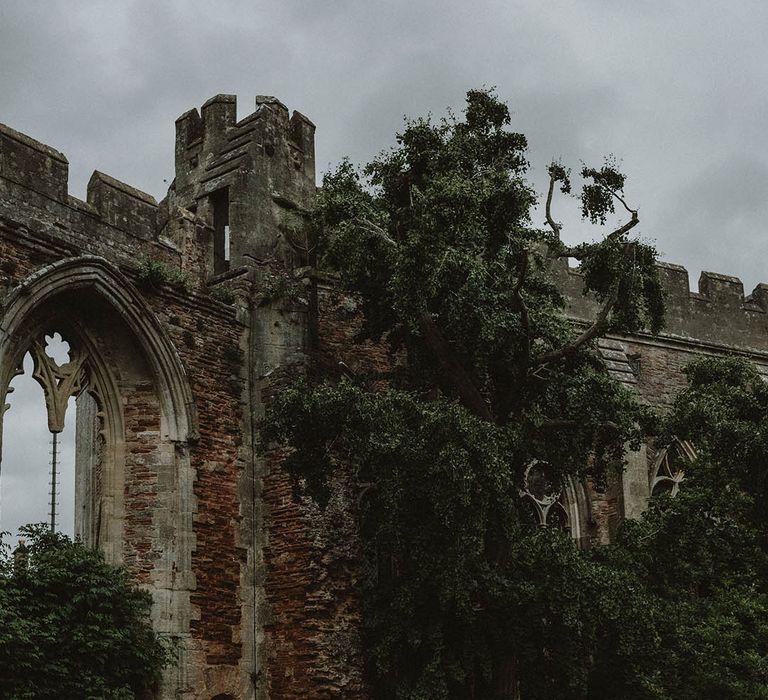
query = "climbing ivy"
x=464 y=597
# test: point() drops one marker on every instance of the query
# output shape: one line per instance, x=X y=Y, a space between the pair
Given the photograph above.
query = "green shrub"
x=71 y=625
x=153 y=275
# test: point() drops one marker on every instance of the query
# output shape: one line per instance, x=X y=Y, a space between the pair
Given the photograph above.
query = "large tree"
x=465 y=596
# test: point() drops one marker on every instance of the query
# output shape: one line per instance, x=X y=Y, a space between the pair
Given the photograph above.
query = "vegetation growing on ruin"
x=688 y=587
x=72 y=626
x=465 y=596
x=152 y=275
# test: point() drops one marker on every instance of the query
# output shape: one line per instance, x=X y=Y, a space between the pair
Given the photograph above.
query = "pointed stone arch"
x=104 y=279
x=562 y=503
x=147 y=526
x=667 y=472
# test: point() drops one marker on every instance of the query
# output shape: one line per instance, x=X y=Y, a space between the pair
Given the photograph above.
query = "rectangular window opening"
x=221 y=231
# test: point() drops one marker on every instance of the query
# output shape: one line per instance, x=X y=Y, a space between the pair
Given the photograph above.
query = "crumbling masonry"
x=180 y=329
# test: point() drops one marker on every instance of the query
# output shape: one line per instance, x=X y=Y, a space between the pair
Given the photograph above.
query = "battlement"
x=218 y=116
x=123 y=206
x=239 y=177
x=718 y=313
x=211 y=143
x=34 y=178
x=236 y=176
x=33 y=164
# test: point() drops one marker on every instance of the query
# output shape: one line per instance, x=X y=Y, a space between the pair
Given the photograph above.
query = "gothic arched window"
x=549 y=501
x=668 y=471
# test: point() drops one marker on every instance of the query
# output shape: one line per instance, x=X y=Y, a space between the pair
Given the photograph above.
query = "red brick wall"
x=313 y=556
x=142 y=433
x=208 y=337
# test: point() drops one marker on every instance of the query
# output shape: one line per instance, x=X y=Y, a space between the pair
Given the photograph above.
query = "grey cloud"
x=718 y=218
x=675 y=89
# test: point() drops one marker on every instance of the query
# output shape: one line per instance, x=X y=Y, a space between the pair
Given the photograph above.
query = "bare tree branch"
x=556 y=228
x=598 y=326
x=634 y=221
x=618 y=197
x=578 y=254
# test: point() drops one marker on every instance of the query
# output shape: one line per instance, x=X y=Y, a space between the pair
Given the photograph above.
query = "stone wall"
x=174 y=305
x=174 y=381
x=717 y=319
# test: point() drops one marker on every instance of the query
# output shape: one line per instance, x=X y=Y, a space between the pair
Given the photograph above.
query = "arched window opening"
x=543 y=497
x=668 y=470
x=134 y=416
x=551 y=501
x=38 y=461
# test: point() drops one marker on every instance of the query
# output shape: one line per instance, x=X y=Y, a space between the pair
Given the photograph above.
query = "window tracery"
x=58 y=381
x=49 y=363
x=545 y=497
x=668 y=471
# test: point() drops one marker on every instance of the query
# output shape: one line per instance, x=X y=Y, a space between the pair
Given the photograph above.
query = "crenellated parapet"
x=33 y=165
x=245 y=176
x=34 y=194
x=211 y=144
x=236 y=187
x=123 y=206
x=717 y=314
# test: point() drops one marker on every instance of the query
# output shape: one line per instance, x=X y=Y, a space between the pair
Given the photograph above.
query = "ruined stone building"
x=178 y=336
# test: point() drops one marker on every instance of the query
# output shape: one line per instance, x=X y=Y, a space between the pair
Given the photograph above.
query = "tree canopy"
x=72 y=627
x=465 y=595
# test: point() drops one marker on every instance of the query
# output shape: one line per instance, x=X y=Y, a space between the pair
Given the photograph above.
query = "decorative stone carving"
x=668 y=471
x=58 y=382
x=544 y=493
x=5 y=406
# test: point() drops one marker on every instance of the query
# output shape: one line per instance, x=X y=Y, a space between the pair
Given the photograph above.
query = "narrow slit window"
x=221 y=236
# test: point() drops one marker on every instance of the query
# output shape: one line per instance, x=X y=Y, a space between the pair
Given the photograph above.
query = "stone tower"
x=166 y=307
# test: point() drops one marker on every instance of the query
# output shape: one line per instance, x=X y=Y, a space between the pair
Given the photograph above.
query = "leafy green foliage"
x=456 y=577
x=72 y=626
x=464 y=595
x=153 y=274
x=724 y=413
x=598 y=195
x=699 y=562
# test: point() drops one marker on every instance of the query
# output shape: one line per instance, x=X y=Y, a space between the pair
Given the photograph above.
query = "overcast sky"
x=675 y=89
